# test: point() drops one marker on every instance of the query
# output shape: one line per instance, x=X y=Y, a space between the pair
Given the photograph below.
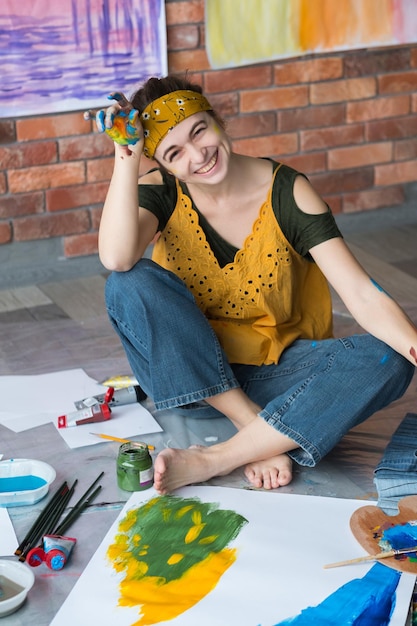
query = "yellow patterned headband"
x=163 y=114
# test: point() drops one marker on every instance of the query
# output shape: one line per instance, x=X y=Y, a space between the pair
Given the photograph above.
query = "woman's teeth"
x=209 y=165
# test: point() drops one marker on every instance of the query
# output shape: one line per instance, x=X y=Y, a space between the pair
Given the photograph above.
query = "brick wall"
x=346 y=119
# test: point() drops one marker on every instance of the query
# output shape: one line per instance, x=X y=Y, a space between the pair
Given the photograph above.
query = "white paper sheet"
x=8 y=539
x=279 y=570
x=29 y=401
x=126 y=421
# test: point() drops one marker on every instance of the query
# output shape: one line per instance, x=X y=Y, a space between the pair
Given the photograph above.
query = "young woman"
x=233 y=313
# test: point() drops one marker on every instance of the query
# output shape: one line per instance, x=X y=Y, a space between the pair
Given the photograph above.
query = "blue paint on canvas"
x=367 y=601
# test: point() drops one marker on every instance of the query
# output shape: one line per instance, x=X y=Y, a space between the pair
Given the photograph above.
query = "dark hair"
x=156 y=87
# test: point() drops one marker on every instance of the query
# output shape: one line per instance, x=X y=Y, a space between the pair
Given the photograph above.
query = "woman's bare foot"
x=271 y=473
x=174 y=468
x=256 y=441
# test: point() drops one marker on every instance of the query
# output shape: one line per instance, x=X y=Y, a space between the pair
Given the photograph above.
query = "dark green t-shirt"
x=302 y=230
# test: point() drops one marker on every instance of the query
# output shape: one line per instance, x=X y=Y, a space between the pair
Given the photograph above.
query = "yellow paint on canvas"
x=160 y=601
x=244 y=31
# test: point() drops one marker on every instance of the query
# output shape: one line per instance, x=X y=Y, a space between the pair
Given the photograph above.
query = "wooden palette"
x=368 y=523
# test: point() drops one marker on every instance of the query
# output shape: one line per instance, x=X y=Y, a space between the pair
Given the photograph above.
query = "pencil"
x=40 y=520
x=120 y=440
x=374 y=557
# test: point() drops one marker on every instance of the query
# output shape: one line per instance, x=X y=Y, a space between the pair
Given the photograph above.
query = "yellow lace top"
x=268 y=297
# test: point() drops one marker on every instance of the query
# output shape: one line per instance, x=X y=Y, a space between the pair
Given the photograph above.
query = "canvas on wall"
x=69 y=55
x=214 y=555
x=243 y=32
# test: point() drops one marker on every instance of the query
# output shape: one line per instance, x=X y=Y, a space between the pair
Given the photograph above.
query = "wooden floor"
x=62 y=324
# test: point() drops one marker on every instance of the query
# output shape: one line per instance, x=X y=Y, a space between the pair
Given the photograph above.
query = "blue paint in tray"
x=21 y=483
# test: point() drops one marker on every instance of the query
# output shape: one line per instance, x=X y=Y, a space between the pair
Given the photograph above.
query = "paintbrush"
x=110 y=438
x=374 y=557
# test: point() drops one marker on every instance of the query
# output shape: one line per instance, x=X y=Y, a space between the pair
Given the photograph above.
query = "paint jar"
x=134 y=467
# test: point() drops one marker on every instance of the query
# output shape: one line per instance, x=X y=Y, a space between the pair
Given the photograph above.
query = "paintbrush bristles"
x=374 y=557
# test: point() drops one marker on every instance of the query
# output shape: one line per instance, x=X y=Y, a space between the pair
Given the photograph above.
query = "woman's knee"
x=399 y=371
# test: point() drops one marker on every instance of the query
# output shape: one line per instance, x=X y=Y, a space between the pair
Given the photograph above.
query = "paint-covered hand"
x=120 y=121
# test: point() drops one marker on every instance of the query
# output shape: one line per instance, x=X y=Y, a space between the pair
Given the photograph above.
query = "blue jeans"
x=318 y=391
x=396 y=473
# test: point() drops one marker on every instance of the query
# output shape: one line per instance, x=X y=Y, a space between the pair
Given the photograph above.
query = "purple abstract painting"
x=69 y=55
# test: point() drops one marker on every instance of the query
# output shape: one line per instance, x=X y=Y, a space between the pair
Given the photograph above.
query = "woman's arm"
x=125 y=229
x=373 y=309
x=370 y=305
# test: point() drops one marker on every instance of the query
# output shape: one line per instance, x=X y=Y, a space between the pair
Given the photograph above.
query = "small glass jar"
x=134 y=467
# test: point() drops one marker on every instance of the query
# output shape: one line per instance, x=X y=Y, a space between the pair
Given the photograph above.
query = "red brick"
x=183 y=37
x=320 y=138
x=308 y=71
x=3 y=185
x=76 y=196
x=371 y=63
x=226 y=104
x=45 y=177
x=22 y=204
x=377 y=108
x=25 y=155
x=250 y=77
x=334 y=202
x=94 y=145
x=81 y=245
x=5 y=233
x=308 y=163
x=44 y=227
x=394 y=128
x=405 y=150
x=400 y=82
x=52 y=126
x=395 y=173
x=272 y=99
x=342 y=90
x=267 y=146
x=413 y=57
x=184 y=12
x=359 y=156
x=414 y=103
x=7 y=131
x=193 y=60
x=99 y=170
x=252 y=125
x=311 y=117
x=341 y=181
x=373 y=199
x=95 y=214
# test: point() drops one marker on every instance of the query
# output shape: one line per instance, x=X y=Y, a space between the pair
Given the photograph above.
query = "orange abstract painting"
x=245 y=32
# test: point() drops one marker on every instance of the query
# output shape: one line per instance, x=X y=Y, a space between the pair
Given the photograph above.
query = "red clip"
x=109 y=395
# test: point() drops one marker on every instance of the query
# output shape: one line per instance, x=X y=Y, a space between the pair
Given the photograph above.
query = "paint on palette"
x=398 y=536
x=366 y=601
x=172 y=552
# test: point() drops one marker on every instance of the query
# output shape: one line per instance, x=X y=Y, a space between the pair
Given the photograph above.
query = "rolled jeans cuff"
x=395 y=476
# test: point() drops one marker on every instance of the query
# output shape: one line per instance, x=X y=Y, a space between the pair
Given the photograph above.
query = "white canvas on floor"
x=279 y=569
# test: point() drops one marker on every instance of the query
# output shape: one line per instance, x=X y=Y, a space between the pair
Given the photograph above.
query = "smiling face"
x=197 y=150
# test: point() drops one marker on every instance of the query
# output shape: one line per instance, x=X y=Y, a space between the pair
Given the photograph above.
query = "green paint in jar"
x=134 y=467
